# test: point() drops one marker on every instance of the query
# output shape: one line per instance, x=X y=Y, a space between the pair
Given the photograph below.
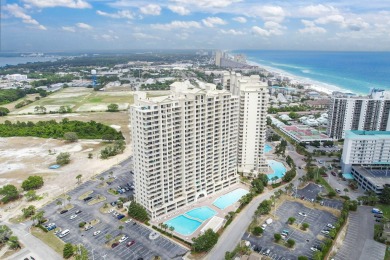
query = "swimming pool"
x=184 y=225
x=202 y=213
x=278 y=168
x=267 y=148
x=229 y=198
x=189 y=222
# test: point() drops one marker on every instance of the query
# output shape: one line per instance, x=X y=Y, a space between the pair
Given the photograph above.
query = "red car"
x=333 y=173
x=114 y=245
x=130 y=243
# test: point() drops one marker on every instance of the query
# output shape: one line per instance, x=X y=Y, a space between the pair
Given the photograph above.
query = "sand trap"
x=100 y=107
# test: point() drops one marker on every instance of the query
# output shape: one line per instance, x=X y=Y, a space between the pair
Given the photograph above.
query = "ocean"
x=357 y=72
x=22 y=60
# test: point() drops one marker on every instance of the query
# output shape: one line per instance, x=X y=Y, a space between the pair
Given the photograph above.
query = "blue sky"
x=71 y=25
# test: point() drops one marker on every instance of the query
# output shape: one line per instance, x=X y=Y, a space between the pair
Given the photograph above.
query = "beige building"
x=254 y=98
x=184 y=145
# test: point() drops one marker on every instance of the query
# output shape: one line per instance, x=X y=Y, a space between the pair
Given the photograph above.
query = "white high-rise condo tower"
x=184 y=145
x=254 y=98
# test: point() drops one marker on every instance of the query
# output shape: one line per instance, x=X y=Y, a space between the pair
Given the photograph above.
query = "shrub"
x=205 y=242
x=305 y=226
x=63 y=158
x=301 y=257
x=68 y=251
x=291 y=220
x=138 y=212
x=32 y=183
x=257 y=231
x=291 y=243
x=277 y=237
x=71 y=137
x=82 y=224
x=9 y=193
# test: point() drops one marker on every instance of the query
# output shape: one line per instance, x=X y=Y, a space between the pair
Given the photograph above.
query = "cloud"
x=179 y=9
x=232 y=32
x=260 y=31
x=334 y=18
x=270 y=28
x=140 y=35
x=79 y=4
x=183 y=36
x=311 y=28
x=126 y=14
x=270 y=13
x=356 y=24
x=316 y=10
x=68 y=28
x=212 y=21
x=177 y=25
x=84 y=26
x=18 y=12
x=207 y=3
x=239 y=19
x=151 y=9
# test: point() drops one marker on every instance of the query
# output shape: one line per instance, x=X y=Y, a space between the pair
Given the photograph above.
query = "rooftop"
x=361 y=134
x=379 y=176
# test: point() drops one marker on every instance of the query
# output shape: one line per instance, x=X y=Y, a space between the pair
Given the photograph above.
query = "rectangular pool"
x=202 y=213
x=184 y=225
x=229 y=198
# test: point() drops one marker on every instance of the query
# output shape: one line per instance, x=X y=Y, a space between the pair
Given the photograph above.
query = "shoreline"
x=311 y=84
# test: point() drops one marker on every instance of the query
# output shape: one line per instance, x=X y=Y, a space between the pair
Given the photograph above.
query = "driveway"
x=358 y=242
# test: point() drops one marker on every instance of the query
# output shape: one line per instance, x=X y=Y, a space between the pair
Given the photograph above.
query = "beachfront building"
x=367 y=113
x=254 y=98
x=184 y=146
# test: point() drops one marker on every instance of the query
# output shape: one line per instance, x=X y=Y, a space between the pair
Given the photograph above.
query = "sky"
x=76 y=25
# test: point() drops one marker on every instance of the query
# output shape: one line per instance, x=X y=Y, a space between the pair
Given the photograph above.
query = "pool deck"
x=207 y=201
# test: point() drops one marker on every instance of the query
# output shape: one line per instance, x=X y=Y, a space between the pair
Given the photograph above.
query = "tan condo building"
x=184 y=145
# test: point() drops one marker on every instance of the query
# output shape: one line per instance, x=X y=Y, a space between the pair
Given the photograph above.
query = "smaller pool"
x=278 y=168
x=202 y=213
x=184 y=225
x=229 y=198
x=267 y=148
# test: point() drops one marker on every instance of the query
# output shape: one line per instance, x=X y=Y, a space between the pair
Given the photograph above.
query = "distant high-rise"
x=254 y=97
x=184 y=146
x=218 y=57
x=368 y=113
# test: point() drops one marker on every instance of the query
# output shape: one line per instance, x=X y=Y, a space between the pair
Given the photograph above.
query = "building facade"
x=184 y=146
x=254 y=98
x=370 y=113
x=372 y=178
x=365 y=148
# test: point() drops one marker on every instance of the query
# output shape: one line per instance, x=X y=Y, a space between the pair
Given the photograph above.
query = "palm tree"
x=171 y=228
x=345 y=191
x=165 y=226
x=78 y=177
x=69 y=198
x=38 y=216
x=59 y=203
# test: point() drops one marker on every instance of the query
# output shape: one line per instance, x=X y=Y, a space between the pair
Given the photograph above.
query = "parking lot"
x=310 y=193
x=358 y=242
x=317 y=219
x=143 y=248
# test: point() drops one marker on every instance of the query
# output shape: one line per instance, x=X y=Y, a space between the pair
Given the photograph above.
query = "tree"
x=291 y=220
x=39 y=216
x=331 y=194
x=32 y=183
x=290 y=175
x=264 y=207
x=345 y=191
x=78 y=177
x=4 y=111
x=257 y=185
x=31 y=195
x=317 y=255
x=29 y=211
x=305 y=226
x=5 y=233
x=59 y=203
x=71 y=137
x=13 y=242
x=112 y=108
x=63 y=158
x=171 y=228
x=69 y=198
x=277 y=237
x=205 y=242
x=138 y=212
x=291 y=243
x=269 y=121
x=68 y=251
x=257 y=231
x=302 y=257
x=121 y=228
x=385 y=196
x=9 y=193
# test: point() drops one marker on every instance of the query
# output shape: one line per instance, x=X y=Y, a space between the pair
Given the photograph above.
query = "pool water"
x=189 y=222
x=229 y=198
x=184 y=225
x=202 y=213
x=267 y=148
x=278 y=168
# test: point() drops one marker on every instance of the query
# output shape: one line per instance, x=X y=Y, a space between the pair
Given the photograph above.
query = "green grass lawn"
x=385 y=209
x=49 y=239
x=324 y=183
x=387 y=254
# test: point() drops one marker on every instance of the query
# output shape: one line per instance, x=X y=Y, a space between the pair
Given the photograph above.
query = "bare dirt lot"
x=21 y=157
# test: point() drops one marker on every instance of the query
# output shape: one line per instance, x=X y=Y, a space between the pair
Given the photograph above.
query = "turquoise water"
x=353 y=71
x=229 y=199
x=278 y=168
x=267 y=148
x=184 y=225
x=202 y=213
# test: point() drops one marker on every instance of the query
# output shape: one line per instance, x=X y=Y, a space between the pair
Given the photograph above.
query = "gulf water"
x=357 y=72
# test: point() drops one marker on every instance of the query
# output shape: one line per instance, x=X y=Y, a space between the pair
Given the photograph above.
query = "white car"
x=96 y=233
x=263 y=226
x=111 y=210
x=313 y=249
x=325 y=232
x=128 y=221
x=330 y=226
x=302 y=214
x=123 y=239
x=283 y=236
x=73 y=216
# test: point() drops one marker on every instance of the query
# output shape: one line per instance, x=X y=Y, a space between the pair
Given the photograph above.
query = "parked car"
x=130 y=243
x=313 y=249
x=338 y=191
x=333 y=173
x=123 y=239
x=63 y=211
x=114 y=245
x=88 y=228
x=128 y=221
x=302 y=214
x=73 y=217
x=120 y=216
x=96 y=233
x=378 y=216
x=330 y=226
x=78 y=211
x=325 y=232
x=88 y=198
